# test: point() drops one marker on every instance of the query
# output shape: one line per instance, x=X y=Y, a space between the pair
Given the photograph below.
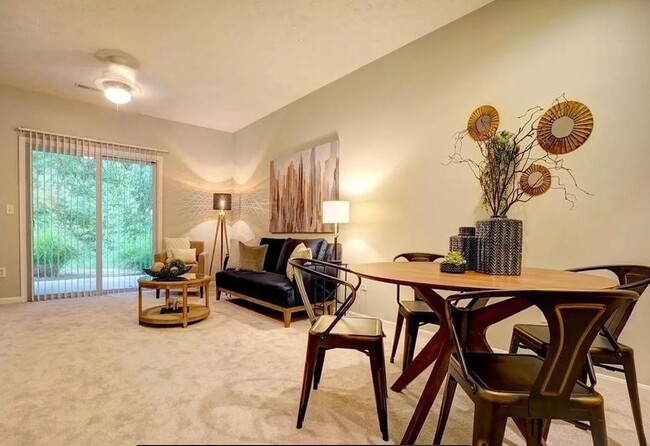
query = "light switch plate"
x=3 y=271
x=10 y=209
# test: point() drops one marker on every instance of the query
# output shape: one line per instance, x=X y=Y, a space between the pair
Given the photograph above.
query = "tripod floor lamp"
x=221 y=203
x=336 y=212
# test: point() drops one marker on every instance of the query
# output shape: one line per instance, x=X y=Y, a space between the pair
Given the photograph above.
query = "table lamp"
x=336 y=211
x=221 y=202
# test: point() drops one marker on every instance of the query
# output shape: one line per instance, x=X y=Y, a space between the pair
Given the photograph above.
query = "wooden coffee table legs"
x=139 y=302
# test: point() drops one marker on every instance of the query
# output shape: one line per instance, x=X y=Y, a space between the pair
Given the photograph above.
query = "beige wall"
x=396 y=117
x=199 y=162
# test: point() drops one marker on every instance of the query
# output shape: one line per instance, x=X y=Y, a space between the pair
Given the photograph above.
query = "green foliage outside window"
x=64 y=193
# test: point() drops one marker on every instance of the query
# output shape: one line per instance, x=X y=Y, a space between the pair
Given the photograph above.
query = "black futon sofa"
x=272 y=288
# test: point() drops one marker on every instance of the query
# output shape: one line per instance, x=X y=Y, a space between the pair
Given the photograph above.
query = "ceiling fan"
x=117 y=81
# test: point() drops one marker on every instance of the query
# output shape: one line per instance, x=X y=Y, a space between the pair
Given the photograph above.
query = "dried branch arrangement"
x=510 y=169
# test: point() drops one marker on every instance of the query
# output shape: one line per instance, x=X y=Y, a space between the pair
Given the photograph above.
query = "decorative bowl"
x=452 y=268
x=166 y=273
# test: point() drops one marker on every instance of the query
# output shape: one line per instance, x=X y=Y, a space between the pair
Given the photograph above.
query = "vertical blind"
x=92 y=214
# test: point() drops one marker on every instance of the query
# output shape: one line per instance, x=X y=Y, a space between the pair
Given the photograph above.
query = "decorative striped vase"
x=499 y=246
x=466 y=243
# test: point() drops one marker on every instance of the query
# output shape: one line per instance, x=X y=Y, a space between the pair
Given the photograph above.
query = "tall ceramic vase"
x=499 y=246
x=466 y=243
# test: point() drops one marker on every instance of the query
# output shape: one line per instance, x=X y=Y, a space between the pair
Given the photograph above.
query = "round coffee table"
x=190 y=312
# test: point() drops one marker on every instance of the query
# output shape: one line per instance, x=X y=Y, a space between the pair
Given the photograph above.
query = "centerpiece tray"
x=168 y=274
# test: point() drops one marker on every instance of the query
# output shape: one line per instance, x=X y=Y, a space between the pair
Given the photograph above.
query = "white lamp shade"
x=336 y=211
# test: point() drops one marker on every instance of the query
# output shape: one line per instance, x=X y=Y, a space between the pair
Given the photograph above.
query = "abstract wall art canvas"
x=299 y=184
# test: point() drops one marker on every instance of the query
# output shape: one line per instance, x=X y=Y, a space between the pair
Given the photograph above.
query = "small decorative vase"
x=452 y=268
x=499 y=246
x=466 y=243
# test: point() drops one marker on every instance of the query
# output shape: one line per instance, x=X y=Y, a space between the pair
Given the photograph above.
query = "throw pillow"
x=272 y=254
x=176 y=243
x=233 y=259
x=317 y=245
x=251 y=258
x=186 y=255
x=287 y=249
x=299 y=252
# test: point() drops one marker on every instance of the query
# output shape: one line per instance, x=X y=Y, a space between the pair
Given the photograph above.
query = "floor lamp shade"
x=336 y=211
x=222 y=202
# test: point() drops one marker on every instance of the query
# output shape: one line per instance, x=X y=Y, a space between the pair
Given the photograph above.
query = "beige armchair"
x=197 y=267
x=201 y=255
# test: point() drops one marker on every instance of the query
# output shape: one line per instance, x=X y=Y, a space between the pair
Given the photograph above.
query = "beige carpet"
x=83 y=372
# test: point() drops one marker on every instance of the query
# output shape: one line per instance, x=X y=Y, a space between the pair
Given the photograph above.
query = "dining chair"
x=527 y=387
x=606 y=351
x=339 y=331
x=416 y=312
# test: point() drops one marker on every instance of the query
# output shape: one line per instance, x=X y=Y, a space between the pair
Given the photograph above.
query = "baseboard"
x=11 y=300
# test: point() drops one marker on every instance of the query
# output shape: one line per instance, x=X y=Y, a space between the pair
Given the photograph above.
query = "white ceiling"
x=221 y=64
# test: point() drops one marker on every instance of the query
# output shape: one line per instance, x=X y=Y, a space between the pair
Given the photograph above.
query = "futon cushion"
x=270 y=287
x=275 y=247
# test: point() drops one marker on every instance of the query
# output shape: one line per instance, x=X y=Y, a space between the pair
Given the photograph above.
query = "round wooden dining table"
x=425 y=278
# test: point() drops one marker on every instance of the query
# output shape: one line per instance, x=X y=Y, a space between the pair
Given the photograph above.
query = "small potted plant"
x=454 y=262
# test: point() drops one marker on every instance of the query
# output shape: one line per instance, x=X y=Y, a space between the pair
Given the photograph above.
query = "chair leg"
x=157 y=294
x=218 y=292
x=534 y=431
x=318 y=370
x=514 y=344
x=633 y=391
x=447 y=400
x=308 y=376
x=287 y=319
x=410 y=336
x=598 y=427
x=378 y=369
x=398 y=332
x=489 y=425
x=547 y=428
x=201 y=291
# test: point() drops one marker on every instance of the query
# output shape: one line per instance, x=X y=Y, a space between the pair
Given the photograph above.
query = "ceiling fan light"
x=118 y=93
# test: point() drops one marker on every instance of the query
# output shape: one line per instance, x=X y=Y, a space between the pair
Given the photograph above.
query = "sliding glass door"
x=127 y=222
x=92 y=215
x=64 y=224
